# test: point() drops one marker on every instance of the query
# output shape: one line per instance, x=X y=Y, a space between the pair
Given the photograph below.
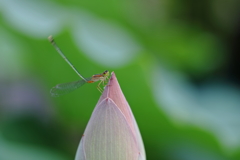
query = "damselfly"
x=64 y=88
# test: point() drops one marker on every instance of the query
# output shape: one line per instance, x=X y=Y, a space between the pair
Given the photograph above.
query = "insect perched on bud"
x=64 y=88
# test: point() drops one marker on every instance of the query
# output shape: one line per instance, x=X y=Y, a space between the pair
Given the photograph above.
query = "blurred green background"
x=177 y=63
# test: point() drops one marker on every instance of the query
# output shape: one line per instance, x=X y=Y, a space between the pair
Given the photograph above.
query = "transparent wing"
x=64 y=88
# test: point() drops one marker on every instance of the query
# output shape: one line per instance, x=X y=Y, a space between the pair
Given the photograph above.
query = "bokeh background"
x=176 y=61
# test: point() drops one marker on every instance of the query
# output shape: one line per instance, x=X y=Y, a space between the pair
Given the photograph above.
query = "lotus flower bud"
x=112 y=132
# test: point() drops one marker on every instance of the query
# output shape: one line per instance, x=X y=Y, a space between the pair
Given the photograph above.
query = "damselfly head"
x=106 y=73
